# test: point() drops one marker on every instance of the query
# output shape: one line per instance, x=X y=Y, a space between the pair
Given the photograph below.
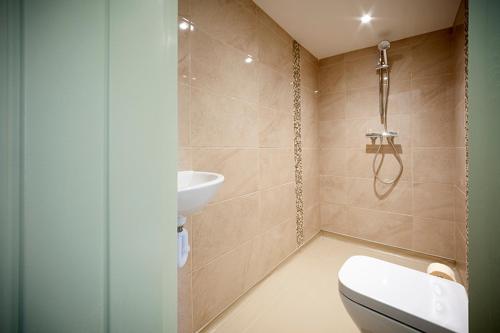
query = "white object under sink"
x=194 y=190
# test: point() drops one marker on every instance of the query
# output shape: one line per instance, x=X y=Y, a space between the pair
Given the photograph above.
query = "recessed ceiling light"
x=248 y=59
x=183 y=25
x=366 y=18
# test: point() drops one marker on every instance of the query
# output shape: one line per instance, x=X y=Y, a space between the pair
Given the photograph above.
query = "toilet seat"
x=421 y=301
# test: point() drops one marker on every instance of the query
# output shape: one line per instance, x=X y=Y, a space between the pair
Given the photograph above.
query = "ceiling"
x=330 y=27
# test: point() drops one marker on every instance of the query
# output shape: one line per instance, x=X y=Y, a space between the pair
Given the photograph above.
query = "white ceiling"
x=330 y=27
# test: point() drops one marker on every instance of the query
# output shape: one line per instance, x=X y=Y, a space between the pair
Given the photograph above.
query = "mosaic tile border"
x=297 y=145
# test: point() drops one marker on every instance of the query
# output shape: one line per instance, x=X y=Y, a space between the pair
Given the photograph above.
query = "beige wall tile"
x=460 y=212
x=356 y=55
x=312 y=222
x=222 y=69
x=275 y=128
x=432 y=54
x=276 y=167
x=433 y=200
x=309 y=74
x=275 y=89
x=332 y=106
x=184 y=159
x=311 y=192
x=332 y=78
x=332 y=134
x=400 y=98
x=334 y=218
x=269 y=249
x=218 y=121
x=433 y=165
x=387 y=228
x=333 y=189
x=309 y=131
x=363 y=102
x=184 y=8
x=361 y=72
x=240 y=168
x=306 y=55
x=277 y=204
x=400 y=60
x=459 y=110
x=331 y=60
x=434 y=236
x=183 y=56
x=222 y=227
x=310 y=163
x=309 y=120
x=333 y=162
x=184 y=303
x=232 y=22
x=433 y=129
x=461 y=255
x=219 y=283
x=460 y=174
x=183 y=100
x=432 y=94
x=274 y=50
x=364 y=193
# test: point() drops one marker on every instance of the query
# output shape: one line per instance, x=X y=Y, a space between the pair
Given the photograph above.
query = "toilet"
x=382 y=297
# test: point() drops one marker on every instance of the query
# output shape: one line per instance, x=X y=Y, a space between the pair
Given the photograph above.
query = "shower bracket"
x=375 y=147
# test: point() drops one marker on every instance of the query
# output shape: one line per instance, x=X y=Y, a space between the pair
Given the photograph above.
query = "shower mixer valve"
x=389 y=135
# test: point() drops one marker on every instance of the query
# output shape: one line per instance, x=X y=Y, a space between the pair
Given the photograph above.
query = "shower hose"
x=388 y=136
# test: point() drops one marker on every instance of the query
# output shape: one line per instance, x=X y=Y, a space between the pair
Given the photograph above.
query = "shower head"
x=384 y=45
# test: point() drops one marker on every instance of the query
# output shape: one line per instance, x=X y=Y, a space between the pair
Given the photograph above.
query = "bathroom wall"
x=236 y=118
x=460 y=180
x=420 y=213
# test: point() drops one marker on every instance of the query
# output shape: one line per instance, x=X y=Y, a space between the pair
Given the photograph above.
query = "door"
x=88 y=167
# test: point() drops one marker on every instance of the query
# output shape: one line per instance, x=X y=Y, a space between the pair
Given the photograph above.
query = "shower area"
x=323 y=157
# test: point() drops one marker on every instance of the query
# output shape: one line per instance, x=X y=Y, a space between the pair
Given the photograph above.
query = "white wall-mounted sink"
x=195 y=189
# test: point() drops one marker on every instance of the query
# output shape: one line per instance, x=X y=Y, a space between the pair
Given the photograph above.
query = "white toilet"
x=382 y=297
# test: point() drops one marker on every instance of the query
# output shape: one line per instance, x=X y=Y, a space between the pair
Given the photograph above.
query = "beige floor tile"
x=301 y=295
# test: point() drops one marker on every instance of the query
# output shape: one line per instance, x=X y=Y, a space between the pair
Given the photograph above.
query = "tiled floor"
x=301 y=295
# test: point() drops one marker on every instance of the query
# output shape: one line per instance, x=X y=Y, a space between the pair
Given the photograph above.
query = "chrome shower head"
x=384 y=45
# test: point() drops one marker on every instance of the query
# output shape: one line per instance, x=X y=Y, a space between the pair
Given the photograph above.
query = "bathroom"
x=236 y=117
x=329 y=166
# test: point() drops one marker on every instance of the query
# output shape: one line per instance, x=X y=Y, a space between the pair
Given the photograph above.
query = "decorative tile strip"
x=297 y=145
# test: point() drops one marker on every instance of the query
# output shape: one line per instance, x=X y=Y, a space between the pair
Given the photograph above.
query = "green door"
x=88 y=165
x=484 y=181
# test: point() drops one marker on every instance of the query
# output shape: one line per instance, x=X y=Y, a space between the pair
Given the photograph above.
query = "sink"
x=195 y=189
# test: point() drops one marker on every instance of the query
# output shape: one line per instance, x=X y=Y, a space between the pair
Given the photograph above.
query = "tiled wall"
x=460 y=181
x=420 y=213
x=236 y=118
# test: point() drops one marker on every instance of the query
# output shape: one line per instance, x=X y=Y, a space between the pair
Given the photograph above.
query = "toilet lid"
x=422 y=301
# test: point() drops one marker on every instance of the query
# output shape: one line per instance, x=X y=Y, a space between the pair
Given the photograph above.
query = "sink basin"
x=195 y=189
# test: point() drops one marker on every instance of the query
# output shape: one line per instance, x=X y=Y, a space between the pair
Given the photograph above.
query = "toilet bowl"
x=382 y=297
